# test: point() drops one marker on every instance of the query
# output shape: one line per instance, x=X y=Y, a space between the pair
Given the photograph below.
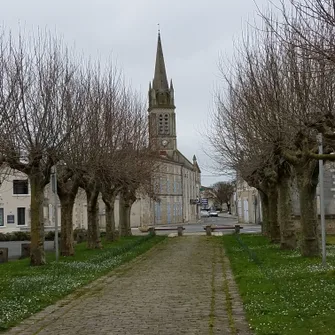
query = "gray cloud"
x=193 y=35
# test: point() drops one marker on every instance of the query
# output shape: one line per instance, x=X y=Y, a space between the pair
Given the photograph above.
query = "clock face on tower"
x=164 y=143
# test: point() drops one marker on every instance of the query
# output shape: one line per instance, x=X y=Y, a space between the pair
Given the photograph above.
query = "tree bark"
x=37 y=253
x=67 y=189
x=127 y=199
x=274 y=228
x=93 y=231
x=307 y=178
x=265 y=213
x=67 y=245
x=128 y=214
x=288 y=239
x=110 y=219
x=123 y=216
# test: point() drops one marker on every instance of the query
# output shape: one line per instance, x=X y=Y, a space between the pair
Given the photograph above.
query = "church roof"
x=160 y=81
x=178 y=158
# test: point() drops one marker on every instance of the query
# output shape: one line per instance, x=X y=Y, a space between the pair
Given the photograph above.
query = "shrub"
x=78 y=231
x=20 y=236
x=15 y=236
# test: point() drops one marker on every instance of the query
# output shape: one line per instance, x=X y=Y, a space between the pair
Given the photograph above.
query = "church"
x=177 y=185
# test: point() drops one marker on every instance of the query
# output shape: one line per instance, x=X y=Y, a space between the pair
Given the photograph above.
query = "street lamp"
x=322 y=202
x=54 y=190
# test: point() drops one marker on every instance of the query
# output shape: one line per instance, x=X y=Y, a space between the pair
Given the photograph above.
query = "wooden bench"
x=209 y=229
x=152 y=230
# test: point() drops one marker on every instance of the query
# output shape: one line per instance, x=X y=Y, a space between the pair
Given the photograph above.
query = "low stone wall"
x=330 y=223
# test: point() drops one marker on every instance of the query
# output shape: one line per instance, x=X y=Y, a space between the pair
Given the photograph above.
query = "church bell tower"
x=162 y=117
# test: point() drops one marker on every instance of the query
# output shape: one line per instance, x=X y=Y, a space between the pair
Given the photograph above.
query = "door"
x=246 y=211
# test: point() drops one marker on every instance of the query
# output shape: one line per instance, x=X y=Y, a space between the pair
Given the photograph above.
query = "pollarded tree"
x=223 y=191
x=140 y=161
x=116 y=122
x=38 y=118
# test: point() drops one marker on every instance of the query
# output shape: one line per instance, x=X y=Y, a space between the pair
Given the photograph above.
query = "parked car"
x=213 y=212
x=204 y=213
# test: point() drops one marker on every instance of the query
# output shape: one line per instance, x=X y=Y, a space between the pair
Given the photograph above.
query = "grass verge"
x=25 y=290
x=282 y=292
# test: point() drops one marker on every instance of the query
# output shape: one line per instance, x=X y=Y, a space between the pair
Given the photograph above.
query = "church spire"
x=160 y=81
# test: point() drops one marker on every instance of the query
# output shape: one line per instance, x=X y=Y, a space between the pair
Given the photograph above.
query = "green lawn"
x=24 y=290
x=282 y=292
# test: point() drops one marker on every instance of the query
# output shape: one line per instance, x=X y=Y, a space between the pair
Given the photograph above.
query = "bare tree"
x=38 y=119
x=140 y=164
x=223 y=192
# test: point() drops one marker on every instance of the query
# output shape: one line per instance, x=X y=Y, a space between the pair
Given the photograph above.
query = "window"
x=166 y=123
x=10 y=218
x=161 y=128
x=20 y=186
x=157 y=212
x=21 y=216
x=163 y=122
x=2 y=223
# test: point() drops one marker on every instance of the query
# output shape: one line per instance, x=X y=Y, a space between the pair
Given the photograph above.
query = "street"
x=197 y=228
x=14 y=247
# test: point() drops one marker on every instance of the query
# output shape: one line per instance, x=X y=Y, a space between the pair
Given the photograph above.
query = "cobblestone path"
x=182 y=286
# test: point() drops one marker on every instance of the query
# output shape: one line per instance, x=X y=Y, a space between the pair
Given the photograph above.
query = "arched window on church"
x=166 y=124
x=160 y=124
x=163 y=124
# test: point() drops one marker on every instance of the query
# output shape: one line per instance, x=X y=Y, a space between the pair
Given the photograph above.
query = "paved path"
x=182 y=286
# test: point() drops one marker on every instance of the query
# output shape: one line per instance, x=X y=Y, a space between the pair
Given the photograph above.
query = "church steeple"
x=160 y=94
x=162 y=118
x=160 y=81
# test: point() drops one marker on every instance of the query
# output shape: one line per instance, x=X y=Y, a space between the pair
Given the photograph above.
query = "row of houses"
x=174 y=204
x=247 y=206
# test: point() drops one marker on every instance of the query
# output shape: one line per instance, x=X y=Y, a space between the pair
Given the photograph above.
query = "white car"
x=204 y=213
x=212 y=212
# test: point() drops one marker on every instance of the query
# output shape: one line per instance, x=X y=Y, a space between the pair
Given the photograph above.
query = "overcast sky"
x=194 y=34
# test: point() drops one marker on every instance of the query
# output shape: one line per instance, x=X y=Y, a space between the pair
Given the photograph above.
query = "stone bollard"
x=208 y=230
x=180 y=231
x=25 y=250
x=237 y=229
x=3 y=255
x=152 y=231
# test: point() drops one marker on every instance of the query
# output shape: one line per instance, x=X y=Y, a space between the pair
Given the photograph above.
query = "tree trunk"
x=93 y=231
x=128 y=214
x=274 y=228
x=37 y=254
x=126 y=201
x=123 y=215
x=307 y=182
x=110 y=219
x=67 y=203
x=287 y=229
x=265 y=213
